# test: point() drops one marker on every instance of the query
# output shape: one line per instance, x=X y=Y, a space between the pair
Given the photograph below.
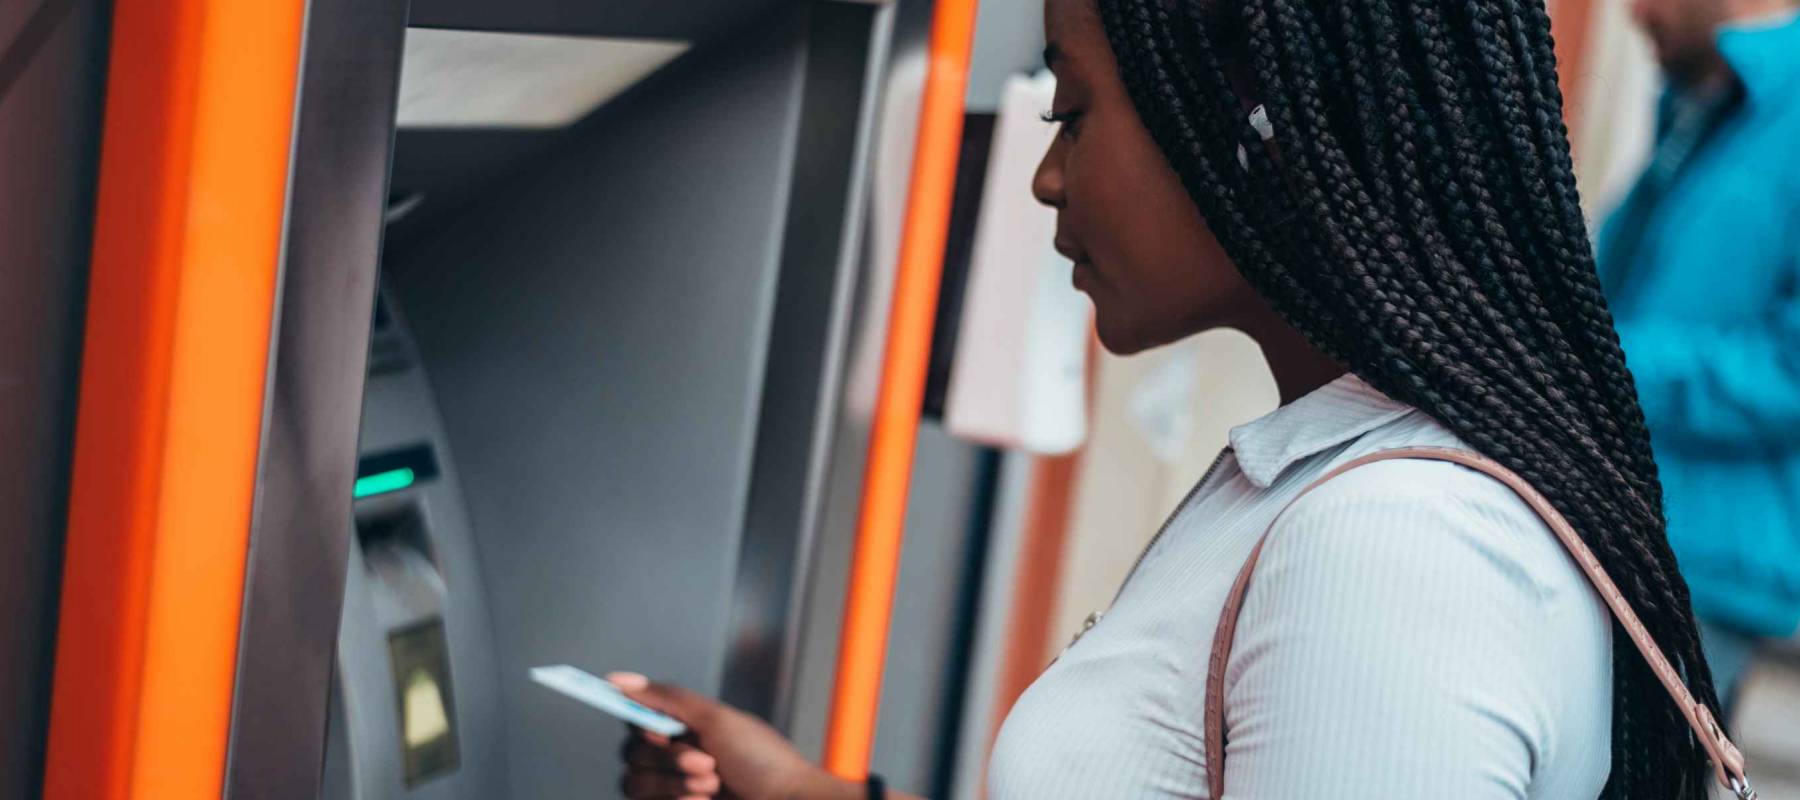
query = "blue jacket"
x=1704 y=278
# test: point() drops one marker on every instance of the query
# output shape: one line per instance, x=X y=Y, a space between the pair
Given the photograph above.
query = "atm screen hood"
x=493 y=79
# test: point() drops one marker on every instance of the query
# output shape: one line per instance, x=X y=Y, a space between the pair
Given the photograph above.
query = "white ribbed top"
x=1414 y=631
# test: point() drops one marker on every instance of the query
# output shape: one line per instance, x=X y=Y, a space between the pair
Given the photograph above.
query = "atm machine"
x=569 y=386
x=595 y=403
x=600 y=380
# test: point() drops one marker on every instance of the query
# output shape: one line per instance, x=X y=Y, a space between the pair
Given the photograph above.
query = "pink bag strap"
x=1728 y=762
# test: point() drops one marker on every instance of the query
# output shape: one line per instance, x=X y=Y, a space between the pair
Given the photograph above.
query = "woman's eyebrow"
x=1053 y=53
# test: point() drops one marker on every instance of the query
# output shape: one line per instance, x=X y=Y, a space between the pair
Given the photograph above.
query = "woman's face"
x=1155 y=272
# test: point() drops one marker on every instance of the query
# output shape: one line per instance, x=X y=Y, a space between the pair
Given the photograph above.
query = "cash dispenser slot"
x=409 y=598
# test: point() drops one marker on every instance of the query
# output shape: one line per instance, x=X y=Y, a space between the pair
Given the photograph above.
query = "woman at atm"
x=1379 y=193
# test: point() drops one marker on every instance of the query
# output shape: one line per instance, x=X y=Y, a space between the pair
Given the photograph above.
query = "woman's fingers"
x=667 y=771
x=705 y=785
x=694 y=761
x=640 y=754
x=683 y=757
x=657 y=767
x=743 y=757
x=658 y=785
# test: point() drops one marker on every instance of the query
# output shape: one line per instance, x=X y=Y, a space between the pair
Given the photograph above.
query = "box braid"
x=1422 y=226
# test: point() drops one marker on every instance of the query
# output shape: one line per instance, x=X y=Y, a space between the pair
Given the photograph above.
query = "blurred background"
x=608 y=400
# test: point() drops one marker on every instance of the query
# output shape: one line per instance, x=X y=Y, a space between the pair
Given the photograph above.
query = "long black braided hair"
x=1422 y=227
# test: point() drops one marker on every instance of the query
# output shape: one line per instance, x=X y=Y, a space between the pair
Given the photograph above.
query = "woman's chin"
x=1120 y=337
x=1125 y=334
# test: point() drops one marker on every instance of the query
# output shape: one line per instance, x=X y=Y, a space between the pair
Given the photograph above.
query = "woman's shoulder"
x=1405 y=516
x=1419 y=555
x=1429 y=596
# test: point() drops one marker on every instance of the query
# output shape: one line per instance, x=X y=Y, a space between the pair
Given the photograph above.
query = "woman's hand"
x=727 y=753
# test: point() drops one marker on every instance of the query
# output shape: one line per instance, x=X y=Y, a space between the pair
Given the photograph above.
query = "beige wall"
x=1615 y=110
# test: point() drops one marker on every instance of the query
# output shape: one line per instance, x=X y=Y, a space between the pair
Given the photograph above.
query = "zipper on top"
x=1173 y=515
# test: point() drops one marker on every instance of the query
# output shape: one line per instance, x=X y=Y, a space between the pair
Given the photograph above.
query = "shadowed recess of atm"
x=573 y=427
x=444 y=166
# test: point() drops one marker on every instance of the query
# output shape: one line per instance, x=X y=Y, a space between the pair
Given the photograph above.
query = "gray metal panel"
x=595 y=330
x=900 y=76
x=800 y=391
x=299 y=529
x=981 y=675
x=52 y=72
x=928 y=614
x=449 y=168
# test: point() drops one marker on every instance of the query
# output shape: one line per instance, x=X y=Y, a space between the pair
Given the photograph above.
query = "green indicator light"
x=382 y=482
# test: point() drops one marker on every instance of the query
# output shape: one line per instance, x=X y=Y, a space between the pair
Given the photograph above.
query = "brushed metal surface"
x=301 y=522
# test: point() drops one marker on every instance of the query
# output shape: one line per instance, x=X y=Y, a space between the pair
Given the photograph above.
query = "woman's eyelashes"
x=1069 y=121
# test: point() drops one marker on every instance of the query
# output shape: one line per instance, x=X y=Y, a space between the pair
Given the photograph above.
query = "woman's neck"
x=1298 y=367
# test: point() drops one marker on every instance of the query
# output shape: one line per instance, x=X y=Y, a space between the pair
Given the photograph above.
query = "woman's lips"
x=1069 y=250
x=1083 y=276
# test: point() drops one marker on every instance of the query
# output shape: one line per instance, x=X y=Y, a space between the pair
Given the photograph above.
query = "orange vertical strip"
x=1572 y=24
x=875 y=562
x=1037 y=581
x=188 y=225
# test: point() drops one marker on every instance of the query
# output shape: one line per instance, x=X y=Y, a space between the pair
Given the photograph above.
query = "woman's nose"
x=1047 y=183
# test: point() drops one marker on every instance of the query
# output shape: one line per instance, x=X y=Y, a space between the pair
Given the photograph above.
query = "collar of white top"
x=1328 y=416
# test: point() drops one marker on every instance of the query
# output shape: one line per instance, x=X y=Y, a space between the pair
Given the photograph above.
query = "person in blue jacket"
x=1701 y=265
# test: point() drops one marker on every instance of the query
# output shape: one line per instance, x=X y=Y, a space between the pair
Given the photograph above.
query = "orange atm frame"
x=187 y=248
x=219 y=354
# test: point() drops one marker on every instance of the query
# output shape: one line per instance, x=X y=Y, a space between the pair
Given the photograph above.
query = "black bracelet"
x=877 y=787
